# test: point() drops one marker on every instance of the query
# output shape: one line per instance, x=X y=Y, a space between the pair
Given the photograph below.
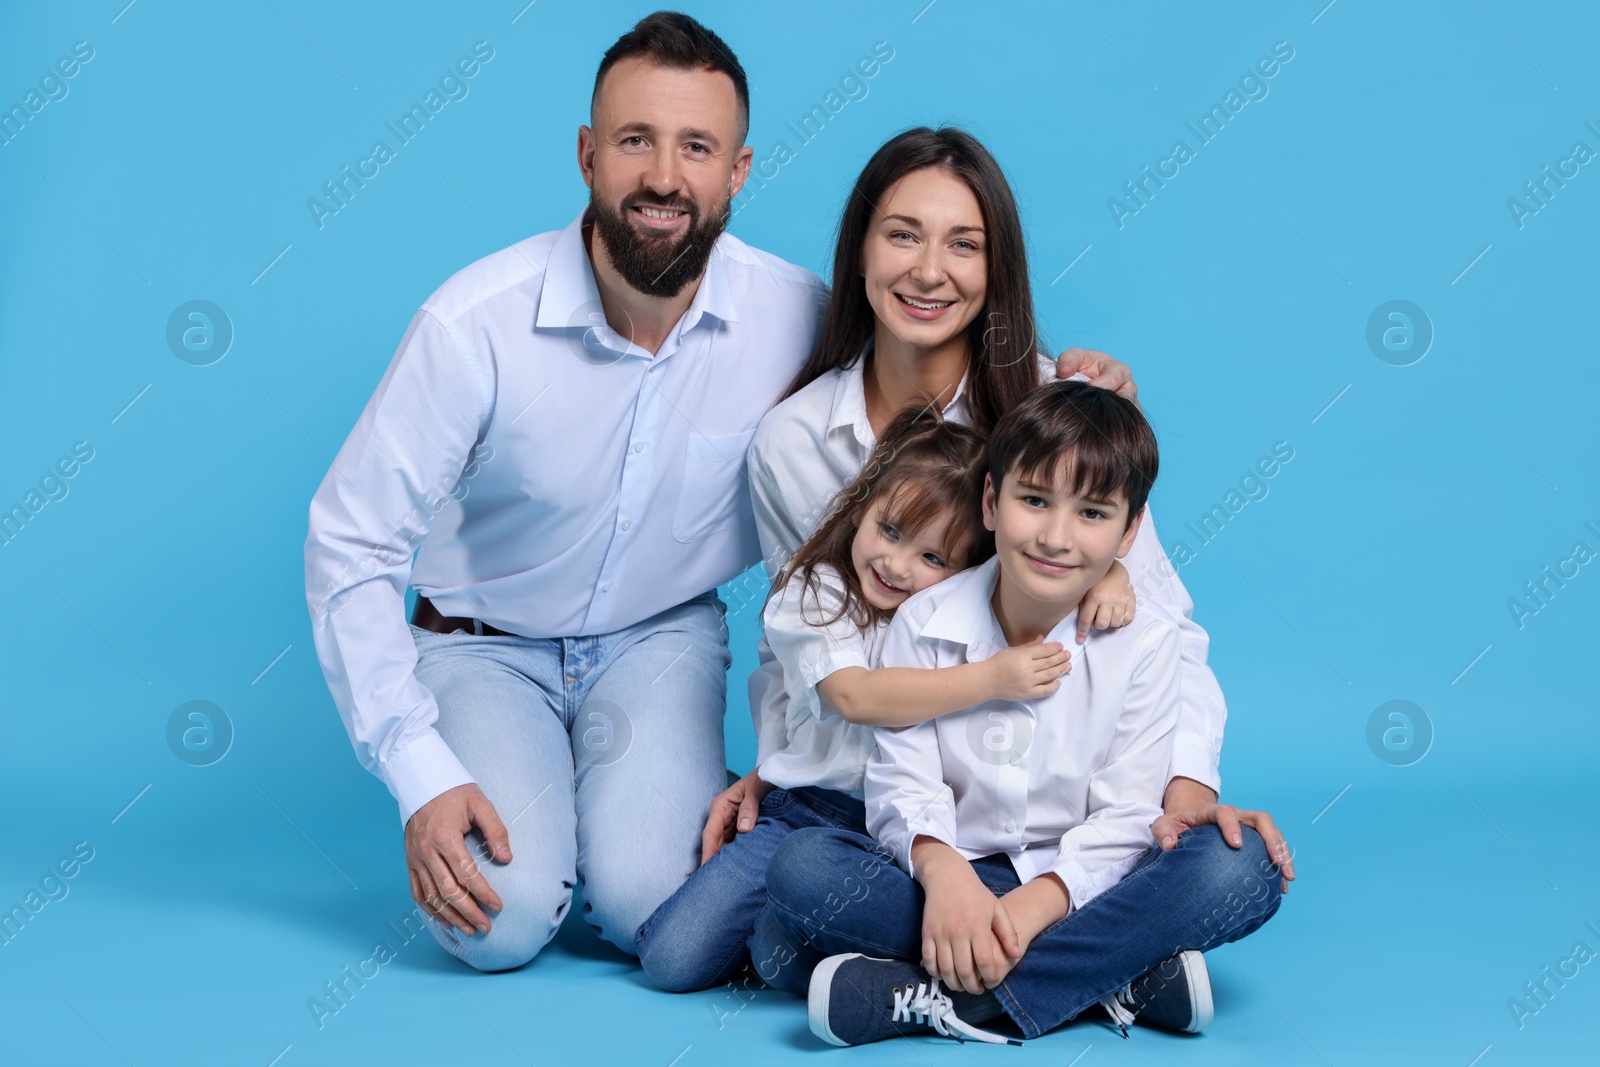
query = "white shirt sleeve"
x=808 y=651
x=905 y=791
x=1197 y=744
x=1124 y=792
x=1202 y=712
x=370 y=514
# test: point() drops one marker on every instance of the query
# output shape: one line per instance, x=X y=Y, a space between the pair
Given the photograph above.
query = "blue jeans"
x=601 y=755
x=717 y=923
x=838 y=891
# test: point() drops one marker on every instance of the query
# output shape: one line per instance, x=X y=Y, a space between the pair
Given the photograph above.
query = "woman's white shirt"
x=821 y=748
x=809 y=446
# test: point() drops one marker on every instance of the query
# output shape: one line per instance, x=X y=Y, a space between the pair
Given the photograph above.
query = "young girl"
x=910 y=519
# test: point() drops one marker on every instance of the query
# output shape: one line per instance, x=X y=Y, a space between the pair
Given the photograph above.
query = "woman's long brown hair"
x=925 y=468
x=1003 y=339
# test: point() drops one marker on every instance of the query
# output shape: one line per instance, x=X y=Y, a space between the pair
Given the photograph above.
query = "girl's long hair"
x=925 y=468
x=1003 y=339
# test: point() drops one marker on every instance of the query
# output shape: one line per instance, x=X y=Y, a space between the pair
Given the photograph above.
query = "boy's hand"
x=966 y=932
x=1108 y=603
x=1037 y=905
x=1023 y=672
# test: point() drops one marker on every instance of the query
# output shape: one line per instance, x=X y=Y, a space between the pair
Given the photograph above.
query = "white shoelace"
x=928 y=1005
x=1115 y=1005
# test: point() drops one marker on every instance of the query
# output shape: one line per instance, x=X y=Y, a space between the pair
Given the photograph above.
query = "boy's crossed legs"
x=836 y=892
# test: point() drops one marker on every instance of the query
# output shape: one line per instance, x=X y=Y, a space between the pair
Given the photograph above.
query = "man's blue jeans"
x=600 y=754
x=717 y=923
x=837 y=891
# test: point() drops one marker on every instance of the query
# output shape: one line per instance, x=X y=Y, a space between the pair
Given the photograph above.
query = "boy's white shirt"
x=809 y=446
x=1068 y=783
x=820 y=747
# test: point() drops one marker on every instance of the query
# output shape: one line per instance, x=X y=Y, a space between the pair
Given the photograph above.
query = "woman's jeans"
x=835 y=891
x=714 y=926
x=600 y=754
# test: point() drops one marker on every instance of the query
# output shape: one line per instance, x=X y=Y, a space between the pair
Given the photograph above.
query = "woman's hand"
x=1189 y=804
x=1109 y=602
x=741 y=801
x=1101 y=369
x=1022 y=672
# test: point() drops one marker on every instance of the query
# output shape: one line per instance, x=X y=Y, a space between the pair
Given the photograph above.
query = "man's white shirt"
x=812 y=444
x=558 y=480
x=1067 y=783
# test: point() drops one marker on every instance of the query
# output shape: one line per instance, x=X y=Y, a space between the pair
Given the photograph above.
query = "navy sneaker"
x=1175 y=995
x=855 y=999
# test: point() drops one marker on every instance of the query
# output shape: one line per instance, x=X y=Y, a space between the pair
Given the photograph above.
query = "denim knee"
x=792 y=882
x=1240 y=886
x=674 y=959
x=527 y=921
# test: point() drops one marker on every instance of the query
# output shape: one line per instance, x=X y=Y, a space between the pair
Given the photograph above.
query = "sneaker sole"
x=817 y=997
x=1201 y=1007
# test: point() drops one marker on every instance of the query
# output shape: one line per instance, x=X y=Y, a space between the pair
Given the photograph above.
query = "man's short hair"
x=1104 y=437
x=673 y=39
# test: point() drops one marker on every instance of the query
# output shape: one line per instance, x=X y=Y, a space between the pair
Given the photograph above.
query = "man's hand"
x=741 y=801
x=1102 y=370
x=444 y=878
x=967 y=933
x=1189 y=804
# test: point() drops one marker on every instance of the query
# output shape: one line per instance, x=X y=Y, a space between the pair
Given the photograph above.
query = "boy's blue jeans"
x=600 y=754
x=839 y=891
x=706 y=932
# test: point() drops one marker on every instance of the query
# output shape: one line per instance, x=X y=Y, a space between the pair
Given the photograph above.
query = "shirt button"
x=1016 y=758
x=638 y=447
x=606 y=587
x=626 y=523
x=1011 y=827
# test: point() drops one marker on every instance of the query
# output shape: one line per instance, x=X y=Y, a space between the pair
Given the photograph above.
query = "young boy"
x=1004 y=819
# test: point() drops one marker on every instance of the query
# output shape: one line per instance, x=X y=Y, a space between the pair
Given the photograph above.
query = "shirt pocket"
x=715 y=493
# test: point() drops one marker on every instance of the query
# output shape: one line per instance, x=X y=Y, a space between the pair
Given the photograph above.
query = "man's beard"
x=656 y=264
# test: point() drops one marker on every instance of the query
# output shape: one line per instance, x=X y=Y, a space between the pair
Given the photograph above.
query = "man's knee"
x=529 y=917
x=616 y=902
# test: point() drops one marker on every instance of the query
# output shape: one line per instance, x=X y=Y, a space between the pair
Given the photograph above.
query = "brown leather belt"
x=427 y=616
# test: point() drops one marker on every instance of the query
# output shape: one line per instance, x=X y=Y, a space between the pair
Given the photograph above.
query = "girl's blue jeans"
x=717 y=923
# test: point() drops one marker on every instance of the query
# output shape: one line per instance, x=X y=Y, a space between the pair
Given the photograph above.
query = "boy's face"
x=891 y=564
x=1052 y=544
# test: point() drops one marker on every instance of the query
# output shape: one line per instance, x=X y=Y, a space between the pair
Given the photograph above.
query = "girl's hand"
x=1108 y=603
x=967 y=934
x=1023 y=672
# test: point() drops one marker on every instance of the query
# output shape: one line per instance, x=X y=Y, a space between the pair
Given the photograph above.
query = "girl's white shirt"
x=821 y=748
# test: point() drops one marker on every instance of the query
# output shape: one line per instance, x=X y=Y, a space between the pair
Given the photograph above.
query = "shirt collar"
x=570 y=294
x=967 y=617
x=850 y=398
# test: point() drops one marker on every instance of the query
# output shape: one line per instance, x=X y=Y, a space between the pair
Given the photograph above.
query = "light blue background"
x=1379 y=566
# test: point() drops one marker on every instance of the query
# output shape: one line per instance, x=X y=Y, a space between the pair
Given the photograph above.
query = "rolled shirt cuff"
x=420 y=771
x=928 y=829
x=1197 y=756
